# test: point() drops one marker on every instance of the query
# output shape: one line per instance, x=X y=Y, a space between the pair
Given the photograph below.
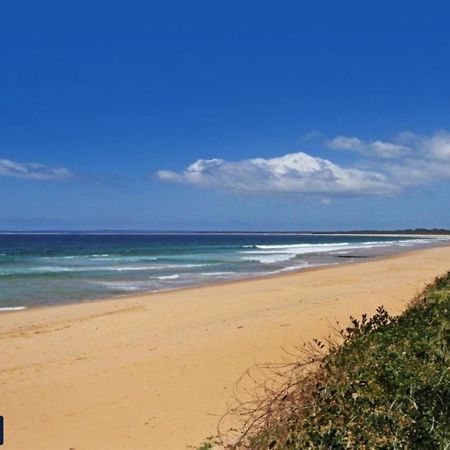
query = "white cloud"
x=292 y=173
x=414 y=159
x=434 y=147
x=383 y=167
x=33 y=171
x=378 y=149
x=416 y=172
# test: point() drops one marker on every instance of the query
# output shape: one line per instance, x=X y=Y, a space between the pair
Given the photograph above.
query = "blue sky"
x=225 y=115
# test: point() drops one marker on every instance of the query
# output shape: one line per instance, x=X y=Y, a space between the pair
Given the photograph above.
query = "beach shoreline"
x=38 y=270
x=156 y=370
x=250 y=277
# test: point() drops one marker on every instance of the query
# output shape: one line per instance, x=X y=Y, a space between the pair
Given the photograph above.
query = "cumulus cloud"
x=383 y=167
x=34 y=171
x=292 y=173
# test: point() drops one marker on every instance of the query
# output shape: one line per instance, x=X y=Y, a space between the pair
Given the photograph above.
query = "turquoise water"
x=39 y=269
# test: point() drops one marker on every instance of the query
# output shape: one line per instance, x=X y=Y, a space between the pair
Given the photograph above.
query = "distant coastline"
x=400 y=232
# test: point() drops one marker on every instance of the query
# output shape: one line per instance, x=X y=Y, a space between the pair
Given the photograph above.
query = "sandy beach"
x=156 y=371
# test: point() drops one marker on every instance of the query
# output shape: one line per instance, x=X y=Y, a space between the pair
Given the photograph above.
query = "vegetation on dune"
x=386 y=385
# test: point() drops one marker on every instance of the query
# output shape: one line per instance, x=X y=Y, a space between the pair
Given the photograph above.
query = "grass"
x=384 y=384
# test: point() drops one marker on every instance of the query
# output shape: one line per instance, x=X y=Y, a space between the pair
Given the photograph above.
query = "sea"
x=39 y=269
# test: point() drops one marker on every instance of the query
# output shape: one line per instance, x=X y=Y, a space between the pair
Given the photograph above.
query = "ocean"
x=55 y=268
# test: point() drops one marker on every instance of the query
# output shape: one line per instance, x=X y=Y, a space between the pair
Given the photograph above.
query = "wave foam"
x=122 y=285
x=169 y=277
x=264 y=258
x=294 y=246
x=11 y=308
x=216 y=274
x=300 y=249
